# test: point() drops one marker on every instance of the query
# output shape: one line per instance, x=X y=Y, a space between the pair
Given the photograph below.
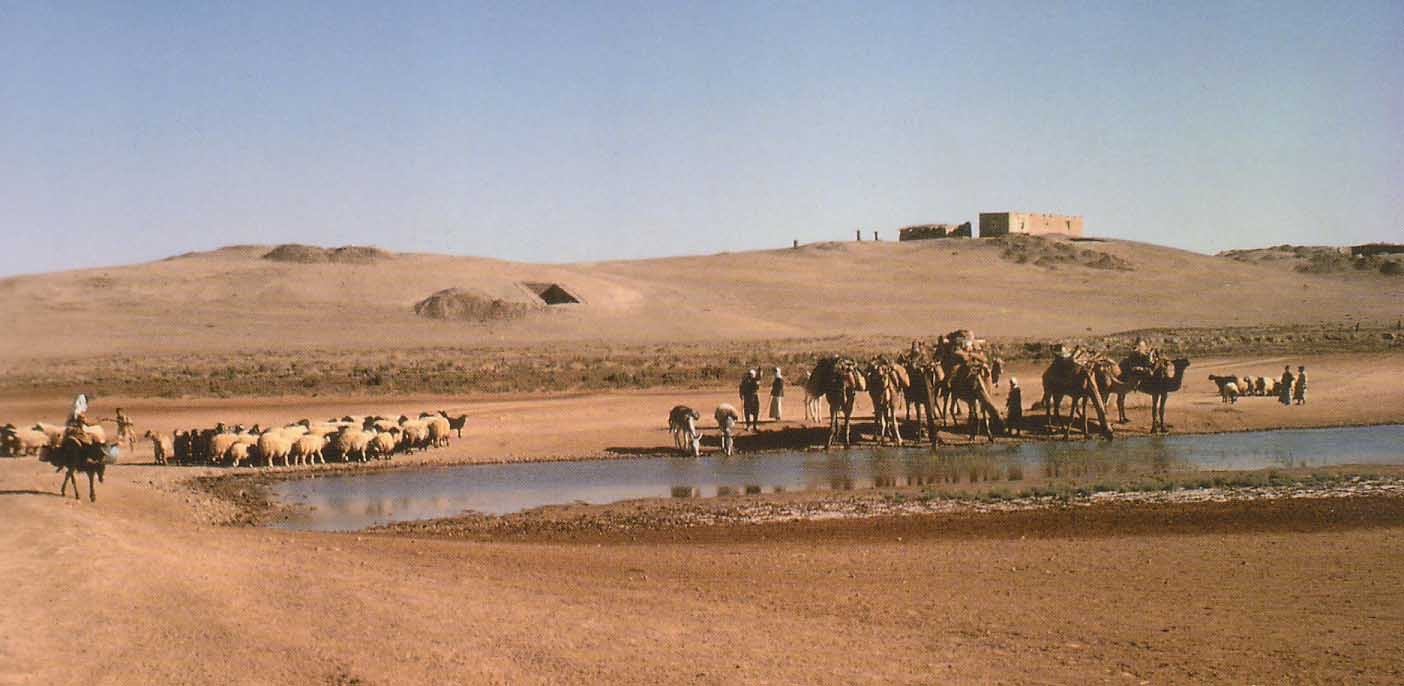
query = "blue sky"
x=573 y=131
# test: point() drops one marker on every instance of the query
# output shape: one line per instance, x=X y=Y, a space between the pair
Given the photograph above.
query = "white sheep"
x=414 y=435
x=353 y=442
x=95 y=433
x=308 y=449
x=26 y=441
x=53 y=432
x=239 y=452
x=162 y=446
x=383 y=445
x=220 y=444
x=276 y=444
x=438 y=429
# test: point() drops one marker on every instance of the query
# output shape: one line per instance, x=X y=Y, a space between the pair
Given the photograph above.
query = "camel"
x=886 y=383
x=918 y=364
x=972 y=382
x=954 y=372
x=1108 y=375
x=1159 y=387
x=1077 y=379
x=837 y=379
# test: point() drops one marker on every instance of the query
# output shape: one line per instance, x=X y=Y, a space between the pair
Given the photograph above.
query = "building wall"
x=923 y=232
x=1003 y=223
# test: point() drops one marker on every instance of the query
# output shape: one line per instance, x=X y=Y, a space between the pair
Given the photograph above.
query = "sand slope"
x=235 y=299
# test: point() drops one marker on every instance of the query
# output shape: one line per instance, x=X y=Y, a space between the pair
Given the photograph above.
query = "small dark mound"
x=1051 y=254
x=313 y=254
x=357 y=254
x=295 y=252
x=458 y=304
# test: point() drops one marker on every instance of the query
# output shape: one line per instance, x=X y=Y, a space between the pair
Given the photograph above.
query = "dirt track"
x=141 y=587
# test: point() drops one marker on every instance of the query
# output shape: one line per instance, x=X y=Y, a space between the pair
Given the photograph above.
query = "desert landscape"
x=622 y=343
x=174 y=574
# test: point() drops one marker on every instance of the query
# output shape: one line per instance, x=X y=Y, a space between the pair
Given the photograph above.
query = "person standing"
x=1284 y=389
x=1299 y=391
x=1015 y=408
x=777 y=395
x=750 y=400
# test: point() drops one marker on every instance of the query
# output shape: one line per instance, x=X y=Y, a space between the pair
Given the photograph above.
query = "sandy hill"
x=1365 y=261
x=250 y=298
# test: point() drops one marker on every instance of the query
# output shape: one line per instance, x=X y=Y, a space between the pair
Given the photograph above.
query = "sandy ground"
x=145 y=587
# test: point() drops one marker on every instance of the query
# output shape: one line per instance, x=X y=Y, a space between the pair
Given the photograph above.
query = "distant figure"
x=777 y=395
x=726 y=419
x=1284 y=389
x=750 y=400
x=1299 y=391
x=1015 y=408
x=126 y=429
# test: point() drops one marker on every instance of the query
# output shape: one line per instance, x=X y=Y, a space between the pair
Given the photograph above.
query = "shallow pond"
x=361 y=500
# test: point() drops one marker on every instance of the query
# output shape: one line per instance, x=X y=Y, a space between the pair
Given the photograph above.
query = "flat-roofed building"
x=1004 y=223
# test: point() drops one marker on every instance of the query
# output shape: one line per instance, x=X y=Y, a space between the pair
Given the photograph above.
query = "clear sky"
x=579 y=131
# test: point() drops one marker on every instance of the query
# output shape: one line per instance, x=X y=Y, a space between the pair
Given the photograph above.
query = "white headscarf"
x=777 y=373
x=80 y=406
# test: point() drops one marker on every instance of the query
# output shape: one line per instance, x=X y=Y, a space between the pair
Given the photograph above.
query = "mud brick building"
x=1004 y=223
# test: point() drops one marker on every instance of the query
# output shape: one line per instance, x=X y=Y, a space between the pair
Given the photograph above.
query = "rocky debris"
x=1052 y=253
x=312 y=254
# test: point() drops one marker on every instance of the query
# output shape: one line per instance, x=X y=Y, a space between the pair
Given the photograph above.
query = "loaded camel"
x=1074 y=376
x=972 y=382
x=886 y=383
x=838 y=380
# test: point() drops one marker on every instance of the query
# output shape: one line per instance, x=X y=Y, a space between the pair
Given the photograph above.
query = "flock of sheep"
x=1231 y=386
x=304 y=442
x=16 y=441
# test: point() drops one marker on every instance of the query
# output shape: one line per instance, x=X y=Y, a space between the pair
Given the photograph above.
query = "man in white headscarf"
x=77 y=420
x=777 y=394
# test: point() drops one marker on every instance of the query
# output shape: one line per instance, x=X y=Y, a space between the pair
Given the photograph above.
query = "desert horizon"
x=704 y=343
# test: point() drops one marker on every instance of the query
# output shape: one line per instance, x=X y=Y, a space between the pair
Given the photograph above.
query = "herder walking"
x=126 y=429
x=750 y=400
x=1284 y=389
x=777 y=395
x=1299 y=391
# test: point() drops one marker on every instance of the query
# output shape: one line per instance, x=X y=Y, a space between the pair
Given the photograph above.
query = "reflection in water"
x=358 y=501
